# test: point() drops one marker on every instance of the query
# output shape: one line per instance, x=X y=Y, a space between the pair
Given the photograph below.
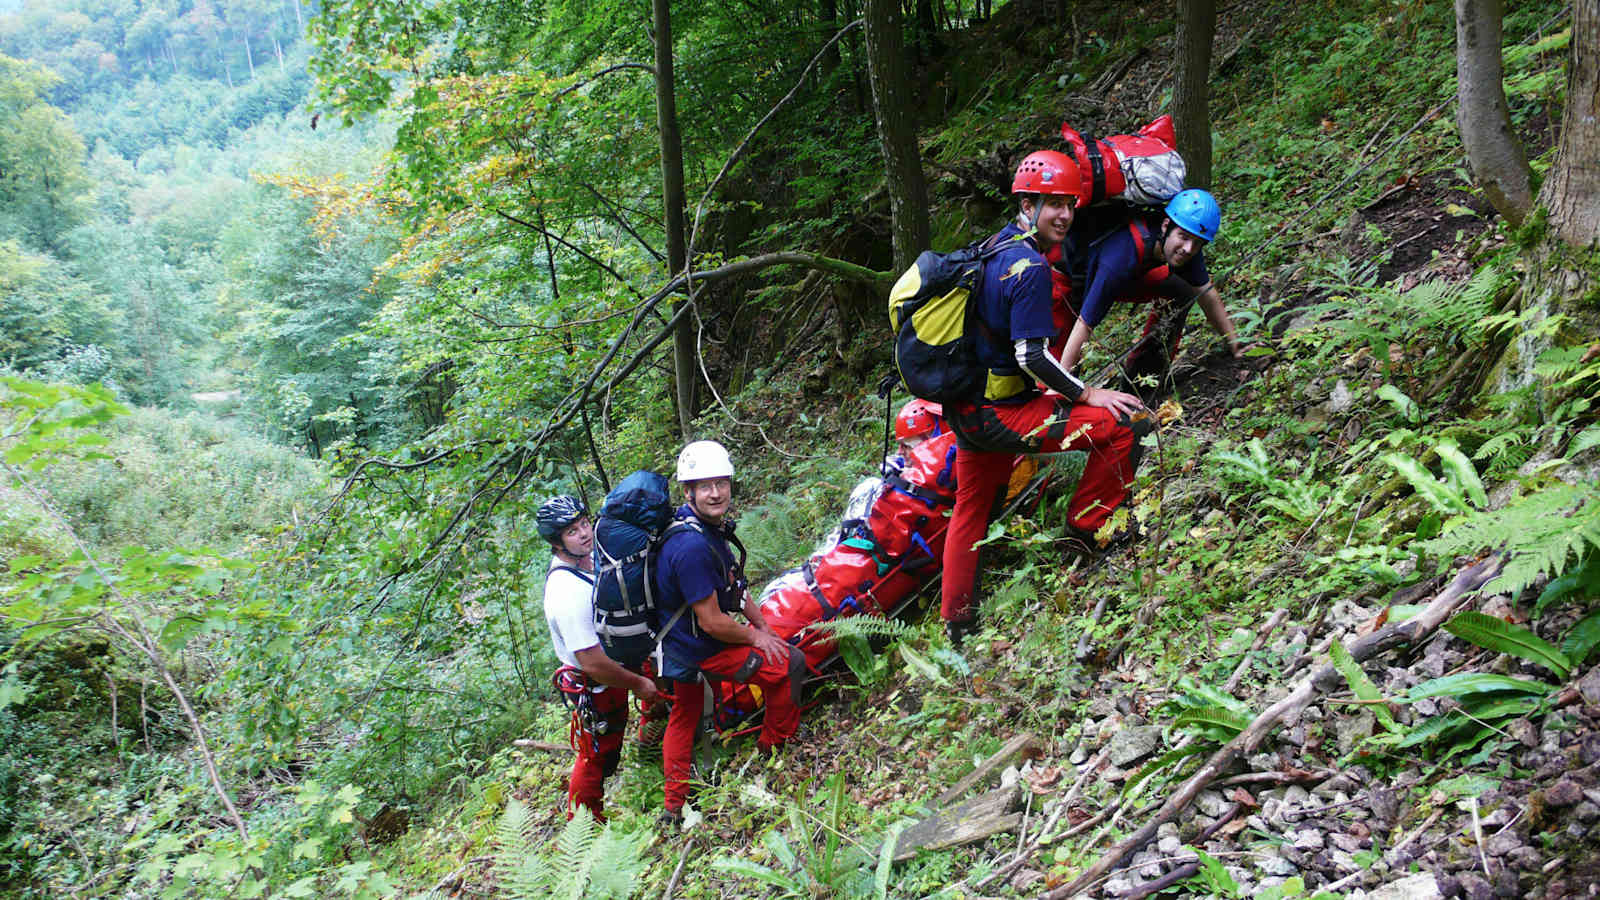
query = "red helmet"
x=916 y=419
x=1048 y=172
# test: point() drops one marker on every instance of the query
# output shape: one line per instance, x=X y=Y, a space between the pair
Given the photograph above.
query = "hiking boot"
x=670 y=822
x=958 y=631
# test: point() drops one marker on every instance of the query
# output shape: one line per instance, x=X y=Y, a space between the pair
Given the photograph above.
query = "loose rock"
x=1563 y=793
x=1211 y=803
x=1422 y=886
x=1131 y=744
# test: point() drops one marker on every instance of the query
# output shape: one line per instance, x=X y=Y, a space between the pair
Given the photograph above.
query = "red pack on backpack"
x=1140 y=168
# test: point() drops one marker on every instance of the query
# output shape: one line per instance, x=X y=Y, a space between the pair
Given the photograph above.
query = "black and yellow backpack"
x=936 y=324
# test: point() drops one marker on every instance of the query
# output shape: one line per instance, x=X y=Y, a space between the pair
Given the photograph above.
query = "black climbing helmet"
x=556 y=514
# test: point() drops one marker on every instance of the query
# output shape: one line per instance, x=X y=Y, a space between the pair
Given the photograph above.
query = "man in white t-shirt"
x=595 y=684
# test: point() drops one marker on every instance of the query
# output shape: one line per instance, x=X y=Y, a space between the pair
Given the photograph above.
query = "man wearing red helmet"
x=1015 y=326
x=918 y=420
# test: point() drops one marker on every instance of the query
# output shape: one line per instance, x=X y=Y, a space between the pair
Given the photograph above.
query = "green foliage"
x=174 y=480
x=1480 y=701
x=1459 y=493
x=43 y=192
x=1380 y=317
x=1582 y=639
x=1495 y=634
x=1361 y=685
x=1541 y=533
x=1301 y=498
x=586 y=862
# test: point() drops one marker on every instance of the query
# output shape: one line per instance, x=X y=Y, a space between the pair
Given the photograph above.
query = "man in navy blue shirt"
x=1014 y=416
x=1143 y=262
x=700 y=586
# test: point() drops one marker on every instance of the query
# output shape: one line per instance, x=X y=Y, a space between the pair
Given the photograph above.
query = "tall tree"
x=1560 y=281
x=897 y=130
x=1191 y=112
x=673 y=203
x=1572 y=190
x=1496 y=157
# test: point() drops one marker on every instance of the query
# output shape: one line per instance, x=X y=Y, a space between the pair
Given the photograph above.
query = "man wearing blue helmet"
x=1163 y=263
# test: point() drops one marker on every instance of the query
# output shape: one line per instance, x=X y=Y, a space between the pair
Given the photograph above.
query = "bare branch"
x=598 y=75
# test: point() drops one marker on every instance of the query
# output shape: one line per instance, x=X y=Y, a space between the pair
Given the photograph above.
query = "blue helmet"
x=1196 y=212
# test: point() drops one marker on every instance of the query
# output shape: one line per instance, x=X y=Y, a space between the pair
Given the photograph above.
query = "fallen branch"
x=546 y=746
x=1187 y=870
x=1322 y=680
x=1260 y=641
x=1303 y=777
x=677 y=873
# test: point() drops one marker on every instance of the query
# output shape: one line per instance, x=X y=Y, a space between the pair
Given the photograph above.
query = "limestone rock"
x=1422 y=886
x=1131 y=744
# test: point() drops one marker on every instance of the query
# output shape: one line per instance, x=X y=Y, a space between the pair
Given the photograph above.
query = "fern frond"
x=1493 y=634
x=573 y=858
x=511 y=838
x=863 y=626
x=1441 y=496
x=1469 y=683
x=952 y=660
x=1215 y=722
x=1463 y=476
x=1582 y=639
x=619 y=858
x=744 y=867
x=922 y=666
x=1458 y=308
x=1540 y=534
x=1361 y=685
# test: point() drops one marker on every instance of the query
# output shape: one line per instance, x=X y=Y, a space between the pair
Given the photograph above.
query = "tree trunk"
x=828 y=15
x=1572 y=191
x=1191 y=113
x=927 y=31
x=1560 y=270
x=249 y=58
x=897 y=131
x=1494 y=154
x=673 y=204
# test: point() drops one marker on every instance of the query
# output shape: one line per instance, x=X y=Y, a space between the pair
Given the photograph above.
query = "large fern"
x=586 y=863
x=1541 y=535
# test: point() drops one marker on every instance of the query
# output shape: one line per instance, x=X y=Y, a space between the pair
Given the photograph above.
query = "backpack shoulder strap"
x=584 y=576
x=1138 y=234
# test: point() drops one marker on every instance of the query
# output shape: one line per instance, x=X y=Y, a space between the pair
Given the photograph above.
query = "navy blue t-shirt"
x=1014 y=301
x=1116 y=270
x=689 y=567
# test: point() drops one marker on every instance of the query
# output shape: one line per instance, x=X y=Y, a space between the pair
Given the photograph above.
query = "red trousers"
x=1046 y=424
x=598 y=755
x=780 y=684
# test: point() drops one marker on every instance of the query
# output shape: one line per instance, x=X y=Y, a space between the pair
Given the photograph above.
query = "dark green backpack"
x=936 y=324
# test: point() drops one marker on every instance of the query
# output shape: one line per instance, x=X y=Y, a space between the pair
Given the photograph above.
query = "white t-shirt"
x=569 y=611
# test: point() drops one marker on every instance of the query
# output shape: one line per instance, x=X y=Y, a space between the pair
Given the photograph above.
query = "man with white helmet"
x=596 y=686
x=696 y=569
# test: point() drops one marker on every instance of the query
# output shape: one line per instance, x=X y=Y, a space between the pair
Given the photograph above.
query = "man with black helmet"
x=595 y=684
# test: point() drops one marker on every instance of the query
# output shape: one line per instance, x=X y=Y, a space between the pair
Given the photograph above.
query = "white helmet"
x=704 y=459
